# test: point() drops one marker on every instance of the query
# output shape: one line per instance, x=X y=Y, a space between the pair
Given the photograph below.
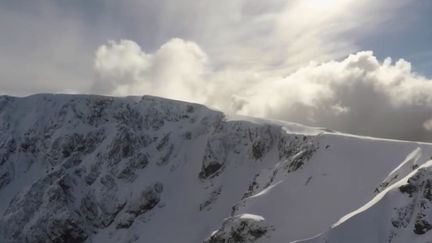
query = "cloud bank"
x=359 y=94
x=52 y=42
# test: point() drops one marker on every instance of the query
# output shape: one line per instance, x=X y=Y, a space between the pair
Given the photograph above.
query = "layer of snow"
x=160 y=171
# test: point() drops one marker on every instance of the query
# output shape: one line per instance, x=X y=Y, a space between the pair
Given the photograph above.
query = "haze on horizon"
x=362 y=67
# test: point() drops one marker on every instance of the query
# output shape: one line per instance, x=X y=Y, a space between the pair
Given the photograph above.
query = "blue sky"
x=407 y=36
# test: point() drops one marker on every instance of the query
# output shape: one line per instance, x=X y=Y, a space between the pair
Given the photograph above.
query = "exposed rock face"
x=88 y=146
x=142 y=203
x=93 y=154
x=244 y=228
x=144 y=169
x=419 y=208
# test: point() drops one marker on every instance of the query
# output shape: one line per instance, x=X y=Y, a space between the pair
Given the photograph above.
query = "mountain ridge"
x=84 y=168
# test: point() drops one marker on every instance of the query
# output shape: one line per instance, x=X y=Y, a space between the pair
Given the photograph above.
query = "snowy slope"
x=400 y=213
x=146 y=169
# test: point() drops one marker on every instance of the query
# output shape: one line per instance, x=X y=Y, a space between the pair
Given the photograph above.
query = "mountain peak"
x=83 y=168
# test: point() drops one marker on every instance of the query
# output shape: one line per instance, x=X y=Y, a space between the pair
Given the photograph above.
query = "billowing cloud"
x=120 y=67
x=52 y=42
x=358 y=94
x=176 y=70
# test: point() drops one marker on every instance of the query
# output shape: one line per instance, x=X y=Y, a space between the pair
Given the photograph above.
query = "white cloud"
x=53 y=41
x=175 y=70
x=119 y=66
x=359 y=94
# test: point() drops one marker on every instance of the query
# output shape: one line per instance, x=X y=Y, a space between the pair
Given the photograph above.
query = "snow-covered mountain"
x=76 y=168
x=400 y=213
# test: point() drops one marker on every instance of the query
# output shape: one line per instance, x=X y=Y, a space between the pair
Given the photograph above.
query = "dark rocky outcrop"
x=241 y=229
